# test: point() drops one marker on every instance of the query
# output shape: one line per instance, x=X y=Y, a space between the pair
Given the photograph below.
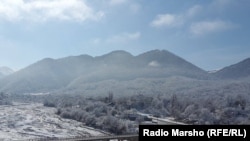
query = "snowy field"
x=24 y=121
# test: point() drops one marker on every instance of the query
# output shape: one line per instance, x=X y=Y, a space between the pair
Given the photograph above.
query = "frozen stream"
x=24 y=121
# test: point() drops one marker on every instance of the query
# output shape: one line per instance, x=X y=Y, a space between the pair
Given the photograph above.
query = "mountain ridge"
x=51 y=74
x=74 y=72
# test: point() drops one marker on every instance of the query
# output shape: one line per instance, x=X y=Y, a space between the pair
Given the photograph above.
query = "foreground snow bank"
x=24 y=121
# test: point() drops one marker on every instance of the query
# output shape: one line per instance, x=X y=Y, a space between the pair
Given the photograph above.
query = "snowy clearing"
x=24 y=121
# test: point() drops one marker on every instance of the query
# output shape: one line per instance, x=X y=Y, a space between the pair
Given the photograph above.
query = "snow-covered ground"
x=163 y=121
x=24 y=121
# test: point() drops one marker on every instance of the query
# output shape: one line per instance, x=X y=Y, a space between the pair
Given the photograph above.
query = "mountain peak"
x=158 y=51
x=116 y=56
x=161 y=56
x=118 y=53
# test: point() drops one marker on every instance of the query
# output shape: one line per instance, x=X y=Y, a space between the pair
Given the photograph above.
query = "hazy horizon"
x=210 y=34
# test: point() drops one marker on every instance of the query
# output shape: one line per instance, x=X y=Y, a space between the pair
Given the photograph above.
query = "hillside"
x=75 y=71
x=236 y=71
x=4 y=71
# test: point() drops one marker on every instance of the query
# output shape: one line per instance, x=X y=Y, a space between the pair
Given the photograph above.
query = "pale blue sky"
x=210 y=34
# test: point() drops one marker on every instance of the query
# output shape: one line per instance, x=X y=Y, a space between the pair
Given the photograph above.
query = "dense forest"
x=226 y=104
x=5 y=99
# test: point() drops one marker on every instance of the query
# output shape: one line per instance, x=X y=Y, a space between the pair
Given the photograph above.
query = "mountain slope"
x=1 y=75
x=45 y=75
x=75 y=71
x=236 y=71
x=175 y=65
x=4 y=71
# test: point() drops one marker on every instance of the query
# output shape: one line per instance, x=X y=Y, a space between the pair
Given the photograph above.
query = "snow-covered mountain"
x=4 y=71
x=53 y=74
x=235 y=71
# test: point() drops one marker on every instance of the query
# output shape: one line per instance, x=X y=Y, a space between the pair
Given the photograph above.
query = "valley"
x=92 y=96
x=98 y=69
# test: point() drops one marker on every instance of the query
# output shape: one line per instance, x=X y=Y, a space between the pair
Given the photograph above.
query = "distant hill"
x=5 y=71
x=236 y=71
x=74 y=71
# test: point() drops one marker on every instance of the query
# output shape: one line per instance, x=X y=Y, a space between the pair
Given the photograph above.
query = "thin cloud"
x=207 y=27
x=173 y=20
x=96 y=41
x=222 y=3
x=117 y=2
x=166 y=20
x=194 y=10
x=189 y=18
x=44 y=10
x=134 y=8
x=124 y=37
